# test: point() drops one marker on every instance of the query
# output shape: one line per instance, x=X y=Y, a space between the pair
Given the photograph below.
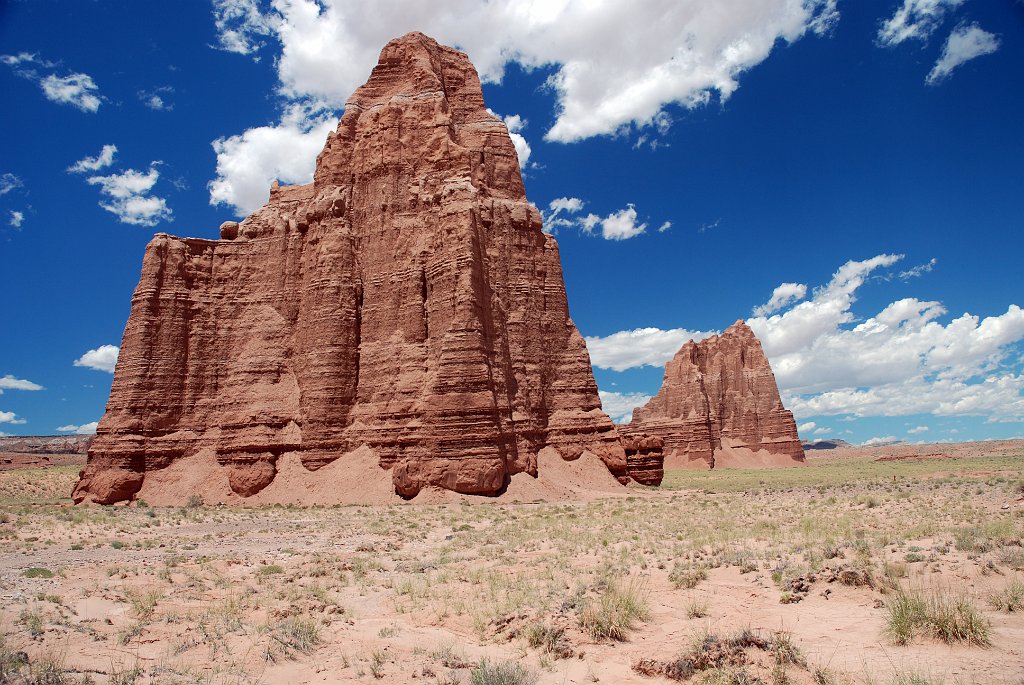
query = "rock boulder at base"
x=405 y=301
x=719 y=406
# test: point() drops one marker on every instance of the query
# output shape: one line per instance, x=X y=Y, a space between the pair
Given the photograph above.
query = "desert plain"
x=896 y=564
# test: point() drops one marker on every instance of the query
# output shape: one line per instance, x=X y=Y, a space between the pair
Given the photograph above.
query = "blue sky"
x=847 y=176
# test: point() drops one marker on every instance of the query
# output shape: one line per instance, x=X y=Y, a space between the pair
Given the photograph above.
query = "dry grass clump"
x=948 y=617
x=684 y=577
x=722 y=660
x=297 y=633
x=502 y=673
x=1010 y=598
x=17 y=668
x=615 y=611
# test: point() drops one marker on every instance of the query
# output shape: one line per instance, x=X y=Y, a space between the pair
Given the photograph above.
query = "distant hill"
x=46 y=444
x=825 y=444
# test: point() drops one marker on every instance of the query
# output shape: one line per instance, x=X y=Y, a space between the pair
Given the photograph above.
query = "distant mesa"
x=834 y=443
x=719 y=406
x=403 y=315
x=46 y=444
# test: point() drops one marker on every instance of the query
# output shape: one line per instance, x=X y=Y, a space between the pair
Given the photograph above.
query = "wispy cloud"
x=9 y=382
x=101 y=161
x=914 y=20
x=564 y=212
x=964 y=44
x=76 y=89
x=9 y=182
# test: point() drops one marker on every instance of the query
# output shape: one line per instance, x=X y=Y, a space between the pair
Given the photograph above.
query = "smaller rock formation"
x=719 y=406
x=645 y=461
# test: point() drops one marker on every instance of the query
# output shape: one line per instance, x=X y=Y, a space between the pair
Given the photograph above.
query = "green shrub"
x=38 y=572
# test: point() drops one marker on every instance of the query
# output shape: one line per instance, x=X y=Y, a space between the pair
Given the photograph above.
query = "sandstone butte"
x=405 y=305
x=719 y=406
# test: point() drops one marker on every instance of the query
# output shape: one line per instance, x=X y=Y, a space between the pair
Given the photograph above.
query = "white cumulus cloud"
x=914 y=19
x=11 y=418
x=248 y=163
x=917 y=429
x=639 y=347
x=806 y=427
x=903 y=360
x=622 y=225
x=882 y=440
x=616 y=65
x=103 y=358
x=84 y=429
x=515 y=125
x=564 y=212
x=16 y=218
x=129 y=196
x=241 y=25
x=77 y=90
x=620 y=406
x=964 y=44
x=101 y=161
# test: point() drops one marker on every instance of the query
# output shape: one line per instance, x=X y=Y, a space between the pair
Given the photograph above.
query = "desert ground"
x=900 y=564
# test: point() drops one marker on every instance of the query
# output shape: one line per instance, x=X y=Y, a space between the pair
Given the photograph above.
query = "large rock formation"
x=719 y=406
x=406 y=301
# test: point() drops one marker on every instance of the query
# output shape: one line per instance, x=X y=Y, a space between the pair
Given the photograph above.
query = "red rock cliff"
x=406 y=301
x=719 y=406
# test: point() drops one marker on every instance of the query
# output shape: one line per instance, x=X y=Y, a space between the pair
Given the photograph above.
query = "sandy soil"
x=402 y=593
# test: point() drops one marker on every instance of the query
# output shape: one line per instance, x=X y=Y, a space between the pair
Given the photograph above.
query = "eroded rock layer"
x=719 y=406
x=645 y=462
x=406 y=301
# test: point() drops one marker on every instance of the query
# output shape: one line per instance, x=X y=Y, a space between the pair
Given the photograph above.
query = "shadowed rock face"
x=406 y=300
x=719 y=405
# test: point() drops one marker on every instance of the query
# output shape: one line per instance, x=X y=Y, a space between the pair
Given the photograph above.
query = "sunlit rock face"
x=406 y=301
x=719 y=405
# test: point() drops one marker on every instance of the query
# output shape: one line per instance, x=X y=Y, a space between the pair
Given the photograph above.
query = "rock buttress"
x=406 y=300
x=719 y=405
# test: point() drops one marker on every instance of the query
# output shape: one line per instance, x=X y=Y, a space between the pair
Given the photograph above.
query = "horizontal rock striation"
x=406 y=301
x=645 y=461
x=719 y=405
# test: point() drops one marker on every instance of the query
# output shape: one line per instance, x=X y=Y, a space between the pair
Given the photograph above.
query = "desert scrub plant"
x=683 y=577
x=38 y=572
x=615 y=611
x=697 y=608
x=986 y=536
x=144 y=603
x=904 y=678
x=33 y=622
x=11 y=662
x=502 y=673
x=300 y=634
x=950 y=618
x=1010 y=599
